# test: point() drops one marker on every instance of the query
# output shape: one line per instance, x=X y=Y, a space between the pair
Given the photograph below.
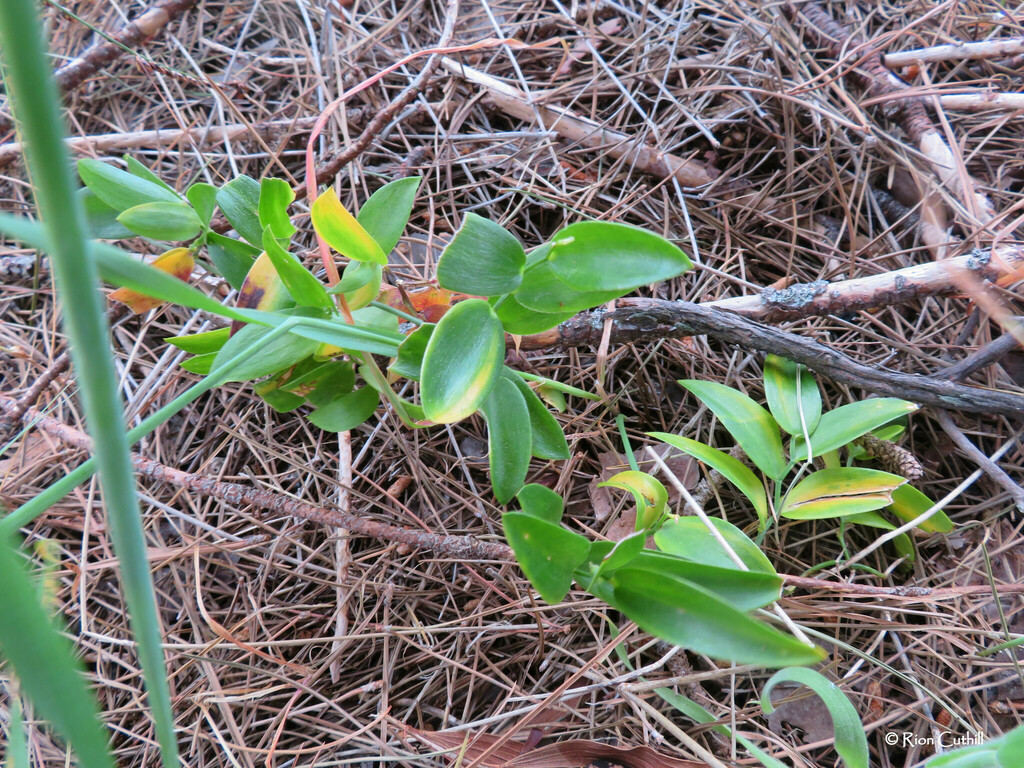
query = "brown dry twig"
x=75 y=72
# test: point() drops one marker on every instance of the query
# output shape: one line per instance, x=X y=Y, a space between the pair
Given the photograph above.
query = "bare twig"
x=643 y=319
x=987 y=465
x=980 y=358
x=984 y=49
x=8 y=419
x=75 y=72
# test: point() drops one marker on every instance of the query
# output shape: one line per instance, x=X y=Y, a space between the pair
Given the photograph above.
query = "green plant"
x=1007 y=751
x=852 y=493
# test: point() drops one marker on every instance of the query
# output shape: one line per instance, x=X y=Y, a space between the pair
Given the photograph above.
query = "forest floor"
x=290 y=643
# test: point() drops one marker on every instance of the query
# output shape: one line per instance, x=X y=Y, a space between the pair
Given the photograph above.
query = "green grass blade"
x=46 y=665
x=36 y=103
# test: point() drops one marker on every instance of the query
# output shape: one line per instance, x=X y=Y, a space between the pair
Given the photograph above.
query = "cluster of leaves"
x=457 y=361
x=852 y=493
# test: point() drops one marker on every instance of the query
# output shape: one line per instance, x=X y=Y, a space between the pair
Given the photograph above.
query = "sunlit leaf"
x=606 y=256
x=200 y=364
x=850 y=739
x=689 y=537
x=177 y=262
x=162 y=221
x=543 y=291
x=540 y=501
x=119 y=189
x=272 y=209
x=684 y=614
x=342 y=231
x=838 y=492
x=909 y=503
x=732 y=469
x=749 y=424
x=463 y=360
x=839 y=426
x=239 y=199
x=508 y=441
x=547 y=553
x=483 y=259
x=386 y=213
x=346 y=412
x=300 y=282
x=781 y=380
x=650 y=495
x=548 y=441
x=263 y=287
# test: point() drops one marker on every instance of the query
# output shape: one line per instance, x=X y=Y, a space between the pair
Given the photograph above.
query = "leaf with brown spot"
x=263 y=289
x=177 y=262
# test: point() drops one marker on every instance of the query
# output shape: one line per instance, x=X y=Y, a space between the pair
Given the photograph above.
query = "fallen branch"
x=456 y=547
x=985 y=49
x=75 y=72
x=648 y=319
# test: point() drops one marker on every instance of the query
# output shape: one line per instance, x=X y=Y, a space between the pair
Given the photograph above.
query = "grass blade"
x=37 y=107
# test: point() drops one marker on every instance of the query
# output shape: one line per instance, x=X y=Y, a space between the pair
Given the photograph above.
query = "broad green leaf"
x=239 y=199
x=540 y=501
x=232 y=258
x=360 y=283
x=279 y=400
x=542 y=291
x=837 y=492
x=386 y=213
x=552 y=397
x=548 y=439
x=262 y=357
x=304 y=288
x=119 y=189
x=352 y=338
x=782 y=379
x=744 y=590
x=521 y=321
x=200 y=364
x=342 y=231
x=851 y=741
x=462 y=362
x=275 y=197
x=339 y=379
x=547 y=553
x=346 y=412
x=1011 y=748
x=689 y=538
x=839 y=426
x=508 y=442
x=749 y=424
x=135 y=168
x=608 y=559
x=732 y=469
x=648 y=492
x=45 y=663
x=605 y=256
x=201 y=343
x=177 y=262
x=162 y=221
x=909 y=503
x=101 y=218
x=121 y=268
x=483 y=259
x=203 y=198
x=682 y=613
x=409 y=362
x=378 y=319
x=977 y=756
